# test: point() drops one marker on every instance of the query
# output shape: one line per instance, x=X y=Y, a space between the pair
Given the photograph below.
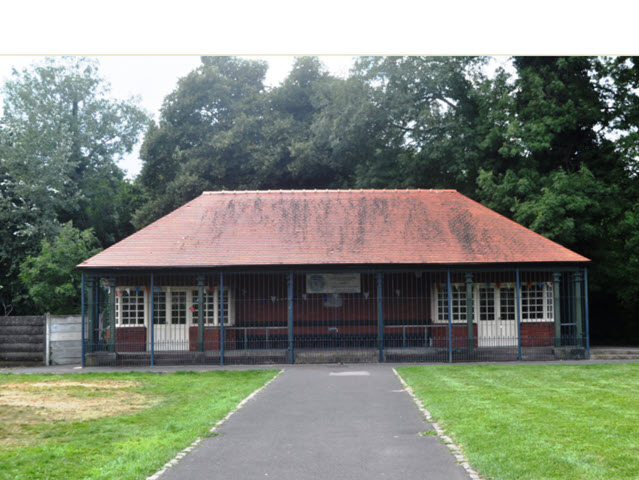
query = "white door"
x=495 y=313
x=171 y=320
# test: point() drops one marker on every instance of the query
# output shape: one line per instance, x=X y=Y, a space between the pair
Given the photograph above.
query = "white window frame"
x=458 y=303
x=191 y=301
x=440 y=317
x=119 y=306
x=547 y=303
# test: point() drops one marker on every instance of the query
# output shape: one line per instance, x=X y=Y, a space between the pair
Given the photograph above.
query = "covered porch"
x=308 y=315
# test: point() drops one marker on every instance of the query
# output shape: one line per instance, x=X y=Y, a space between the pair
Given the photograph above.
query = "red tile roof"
x=309 y=227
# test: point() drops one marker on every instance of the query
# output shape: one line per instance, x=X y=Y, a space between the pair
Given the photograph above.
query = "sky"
x=152 y=77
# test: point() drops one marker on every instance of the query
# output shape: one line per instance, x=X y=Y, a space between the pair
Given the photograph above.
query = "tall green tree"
x=60 y=138
x=206 y=137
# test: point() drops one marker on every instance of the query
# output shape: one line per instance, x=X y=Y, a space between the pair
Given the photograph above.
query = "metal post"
x=518 y=300
x=469 y=310
x=556 y=307
x=152 y=321
x=450 y=319
x=200 y=313
x=586 y=308
x=91 y=316
x=578 y=316
x=221 y=297
x=289 y=321
x=82 y=346
x=380 y=317
x=112 y=314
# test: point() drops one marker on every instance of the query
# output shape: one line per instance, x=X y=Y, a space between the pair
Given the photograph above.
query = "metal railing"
x=366 y=316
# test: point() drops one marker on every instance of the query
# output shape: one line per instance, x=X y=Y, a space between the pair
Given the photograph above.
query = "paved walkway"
x=324 y=422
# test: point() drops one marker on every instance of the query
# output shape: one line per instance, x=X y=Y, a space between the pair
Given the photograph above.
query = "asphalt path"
x=324 y=422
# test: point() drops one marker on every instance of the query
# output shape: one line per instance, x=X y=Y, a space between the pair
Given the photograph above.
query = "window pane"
x=178 y=308
x=486 y=304
x=507 y=303
x=159 y=308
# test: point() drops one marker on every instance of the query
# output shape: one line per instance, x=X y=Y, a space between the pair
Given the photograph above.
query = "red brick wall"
x=439 y=335
x=212 y=338
x=538 y=334
x=130 y=339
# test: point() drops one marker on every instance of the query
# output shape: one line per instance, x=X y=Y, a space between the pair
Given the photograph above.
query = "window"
x=458 y=300
x=536 y=303
x=229 y=310
x=210 y=299
x=178 y=307
x=507 y=303
x=129 y=306
x=486 y=304
x=159 y=308
x=172 y=306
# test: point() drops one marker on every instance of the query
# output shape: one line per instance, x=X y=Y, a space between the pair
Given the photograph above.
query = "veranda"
x=412 y=314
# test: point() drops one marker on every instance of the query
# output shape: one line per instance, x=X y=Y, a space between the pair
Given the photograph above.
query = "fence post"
x=586 y=308
x=221 y=297
x=47 y=338
x=518 y=300
x=556 y=285
x=82 y=347
x=289 y=319
x=380 y=317
x=469 y=310
x=450 y=318
x=152 y=321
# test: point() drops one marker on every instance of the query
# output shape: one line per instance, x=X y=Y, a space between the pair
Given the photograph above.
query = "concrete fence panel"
x=64 y=333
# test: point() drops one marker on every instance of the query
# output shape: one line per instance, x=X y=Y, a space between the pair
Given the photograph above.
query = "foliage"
x=60 y=138
x=52 y=282
x=537 y=421
x=183 y=407
x=550 y=142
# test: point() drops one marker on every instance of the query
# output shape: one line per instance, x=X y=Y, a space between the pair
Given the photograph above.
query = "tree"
x=206 y=136
x=50 y=278
x=60 y=138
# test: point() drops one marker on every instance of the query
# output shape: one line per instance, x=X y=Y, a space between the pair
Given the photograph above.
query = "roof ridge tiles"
x=328 y=190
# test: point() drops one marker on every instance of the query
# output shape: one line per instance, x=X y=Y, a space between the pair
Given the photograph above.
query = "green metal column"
x=380 y=316
x=469 y=309
x=579 y=277
x=556 y=307
x=200 y=313
x=111 y=314
x=289 y=316
x=91 y=310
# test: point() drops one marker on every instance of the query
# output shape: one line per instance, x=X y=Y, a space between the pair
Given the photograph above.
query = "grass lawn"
x=110 y=425
x=537 y=421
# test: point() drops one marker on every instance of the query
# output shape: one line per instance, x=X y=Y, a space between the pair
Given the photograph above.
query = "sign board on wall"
x=333 y=283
